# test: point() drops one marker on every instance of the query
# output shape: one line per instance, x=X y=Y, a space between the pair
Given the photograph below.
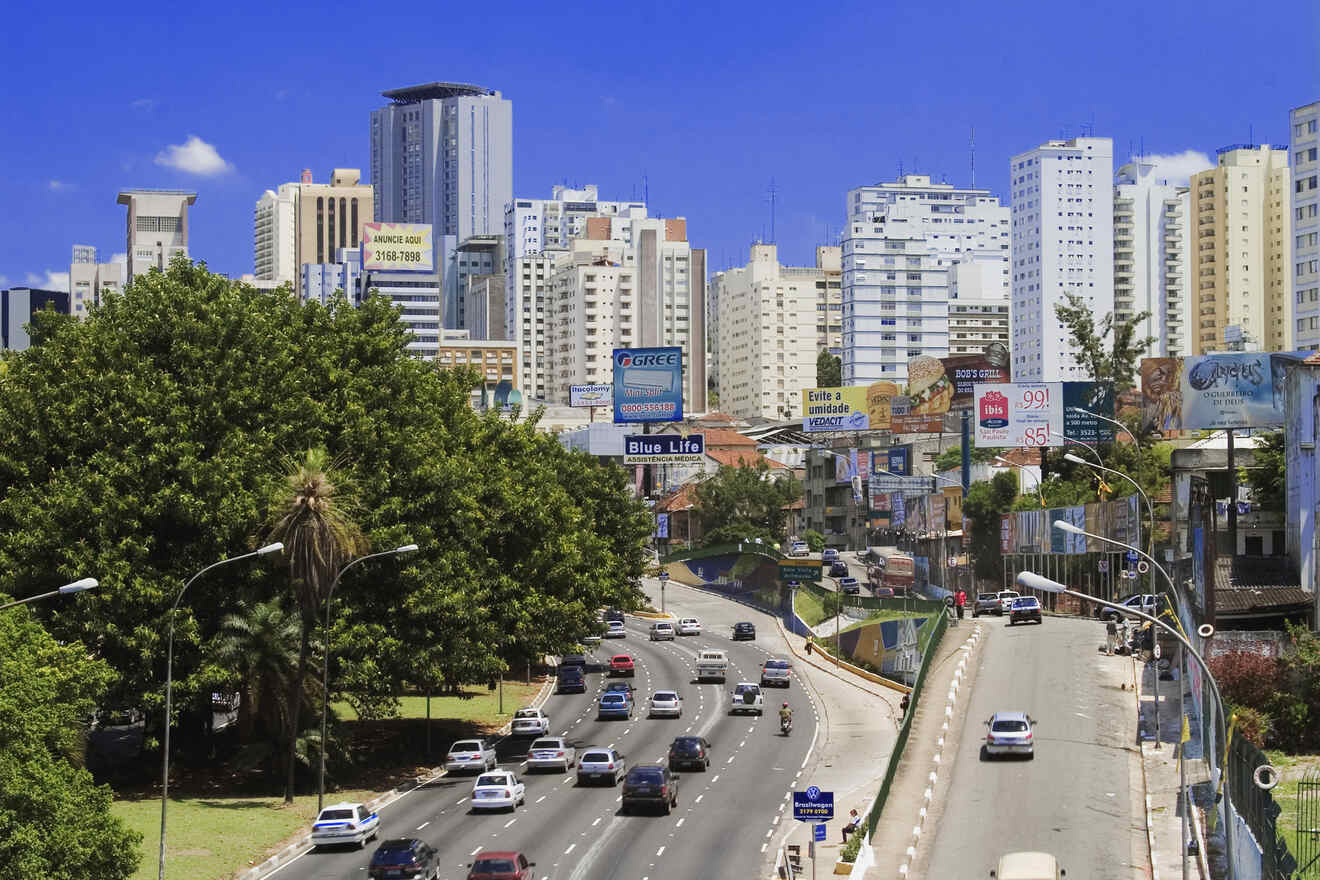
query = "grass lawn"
x=808 y=607
x=478 y=705
x=1293 y=768
x=212 y=838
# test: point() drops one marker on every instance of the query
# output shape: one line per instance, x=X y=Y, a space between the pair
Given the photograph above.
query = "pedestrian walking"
x=1111 y=636
x=960 y=600
x=810 y=643
x=903 y=703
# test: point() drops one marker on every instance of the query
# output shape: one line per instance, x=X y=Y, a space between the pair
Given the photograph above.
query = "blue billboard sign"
x=648 y=384
x=900 y=460
x=663 y=448
x=813 y=805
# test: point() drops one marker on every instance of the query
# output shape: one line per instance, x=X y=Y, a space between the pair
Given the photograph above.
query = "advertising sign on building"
x=397 y=247
x=1215 y=390
x=969 y=370
x=1032 y=414
x=663 y=448
x=648 y=384
x=662 y=526
x=835 y=409
x=590 y=395
x=900 y=459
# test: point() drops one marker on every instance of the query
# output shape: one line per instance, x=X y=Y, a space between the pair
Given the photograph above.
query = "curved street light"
x=1150 y=511
x=1070 y=441
x=325 y=660
x=169 y=690
x=66 y=590
x=1122 y=427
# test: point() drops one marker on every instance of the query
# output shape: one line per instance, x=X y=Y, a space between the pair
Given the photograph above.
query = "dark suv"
x=571 y=680
x=652 y=785
x=743 y=631
x=403 y=857
x=689 y=751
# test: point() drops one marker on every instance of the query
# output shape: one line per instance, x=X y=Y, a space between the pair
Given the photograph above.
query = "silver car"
x=471 y=754
x=552 y=752
x=667 y=703
x=1010 y=734
x=601 y=765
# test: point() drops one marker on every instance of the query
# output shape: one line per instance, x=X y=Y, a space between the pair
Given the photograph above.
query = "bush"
x=815 y=540
x=1252 y=725
x=854 y=845
x=1247 y=678
x=1296 y=703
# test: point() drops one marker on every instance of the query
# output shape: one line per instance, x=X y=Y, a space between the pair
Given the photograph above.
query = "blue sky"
x=708 y=105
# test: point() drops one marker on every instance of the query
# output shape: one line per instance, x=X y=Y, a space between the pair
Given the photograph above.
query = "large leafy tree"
x=1111 y=351
x=1268 y=472
x=829 y=369
x=255 y=652
x=745 y=502
x=56 y=822
x=984 y=506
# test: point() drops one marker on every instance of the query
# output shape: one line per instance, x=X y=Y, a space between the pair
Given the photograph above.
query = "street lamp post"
x=1033 y=581
x=325 y=661
x=66 y=590
x=169 y=690
x=1070 y=441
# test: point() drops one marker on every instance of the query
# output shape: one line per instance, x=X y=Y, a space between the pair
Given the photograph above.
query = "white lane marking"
x=475 y=851
x=541 y=798
x=460 y=800
x=730 y=761
x=698 y=799
x=714 y=779
x=659 y=852
x=423 y=825
x=510 y=822
x=770 y=832
x=597 y=822
x=570 y=848
x=679 y=823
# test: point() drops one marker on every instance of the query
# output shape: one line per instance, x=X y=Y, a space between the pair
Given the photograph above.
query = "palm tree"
x=310 y=511
x=258 y=644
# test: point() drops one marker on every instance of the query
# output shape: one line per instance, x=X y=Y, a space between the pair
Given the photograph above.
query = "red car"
x=500 y=865
x=622 y=664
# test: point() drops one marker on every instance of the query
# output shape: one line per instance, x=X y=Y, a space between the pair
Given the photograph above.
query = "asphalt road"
x=1080 y=797
x=725 y=816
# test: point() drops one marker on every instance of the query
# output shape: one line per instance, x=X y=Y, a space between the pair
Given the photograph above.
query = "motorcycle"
x=785 y=725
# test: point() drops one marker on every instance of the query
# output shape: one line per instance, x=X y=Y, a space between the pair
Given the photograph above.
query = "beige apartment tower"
x=330 y=216
x=1241 y=232
x=157 y=227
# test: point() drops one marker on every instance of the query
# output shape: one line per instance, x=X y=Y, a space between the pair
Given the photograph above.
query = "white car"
x=1006 y=598
x=799 y=549
x=667 y=703
x=747 y=699
x=530 y=722
x=552 y=752
x=340 y=824
x=614 y=630
x=471 y=754
x=500 y=790
x=689 y=626
x=662 y=632
x=601 y=764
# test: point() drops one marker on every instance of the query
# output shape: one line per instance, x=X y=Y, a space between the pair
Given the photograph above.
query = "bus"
x=894 y=572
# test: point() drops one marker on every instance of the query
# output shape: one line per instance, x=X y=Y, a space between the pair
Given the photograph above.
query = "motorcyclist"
x=785 y=714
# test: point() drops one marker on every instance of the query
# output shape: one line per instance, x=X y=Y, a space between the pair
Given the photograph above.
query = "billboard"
x=850 y=408
x=648 y=384
x=663 y=448
x=662 y=526
x=1240 y=390
x=590 y=395
x=397 y=247
x=1035 y=414
x=968 y=370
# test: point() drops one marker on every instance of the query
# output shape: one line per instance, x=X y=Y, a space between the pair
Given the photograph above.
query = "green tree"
x=57 y=822
x=1267 y=475
x=745 y=502
x=951 y=458
x=1111 y=352
x=312 y=515
x=258 y=647
x=815 y=540
x=829 y=370
x=984 y=506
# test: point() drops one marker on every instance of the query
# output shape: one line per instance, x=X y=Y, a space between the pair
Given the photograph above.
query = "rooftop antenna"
x=972 y=150
x=646 y=190
x=900 y=169
x=1143 y=146
x=773 y=190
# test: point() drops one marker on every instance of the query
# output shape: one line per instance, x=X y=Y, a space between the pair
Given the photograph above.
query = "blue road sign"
x=813 y=805
x=1132 y=556
x=818 y=833
x=663 y=576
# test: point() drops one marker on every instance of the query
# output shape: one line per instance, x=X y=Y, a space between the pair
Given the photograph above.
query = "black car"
x=614 y=614
x=571 y=680
x=403 y=857
x=743 y=631
x=689 y=751
x=838 y=569
x=650 y=785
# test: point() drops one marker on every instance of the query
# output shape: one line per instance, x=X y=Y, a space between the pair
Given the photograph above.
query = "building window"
x=355 y=223
x=343 y=224
x=320 y=229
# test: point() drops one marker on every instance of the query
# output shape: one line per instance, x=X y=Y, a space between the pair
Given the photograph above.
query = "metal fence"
x=1258 y=809
x=1308 y=825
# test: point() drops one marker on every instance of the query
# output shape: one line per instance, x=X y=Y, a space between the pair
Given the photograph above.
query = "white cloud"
x=193 y=156
x=60 y=185
x=144 y=105
x=1176 y=168
x=51 y=281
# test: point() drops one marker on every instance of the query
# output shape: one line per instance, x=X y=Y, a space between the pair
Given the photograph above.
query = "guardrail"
x=723 y=550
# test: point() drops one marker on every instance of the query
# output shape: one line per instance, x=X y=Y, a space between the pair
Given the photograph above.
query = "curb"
x=967 y=649
x=1145 y=782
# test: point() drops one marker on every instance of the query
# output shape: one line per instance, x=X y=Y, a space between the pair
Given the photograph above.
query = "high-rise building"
x=1242 y=267
x=157 y=227
x=474 y=257
x=535 y=225
x=975 y=323
x=528 y=312
x=909 y=248
x=18 y=305
x=89 y=280
x=770 y=323
x=1304 y=122
x=1063 y=243
x=829 y=298
x=442 y=153
x=605 y=294
x=487 y=316
x=274 y=234
x=330 y=216
x=1149 y=271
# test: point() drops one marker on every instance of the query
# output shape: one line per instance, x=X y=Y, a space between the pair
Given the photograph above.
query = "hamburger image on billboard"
x=929 y=387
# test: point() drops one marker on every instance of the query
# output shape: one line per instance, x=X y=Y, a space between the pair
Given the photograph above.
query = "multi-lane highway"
x=726 y=816
x=1079 y=798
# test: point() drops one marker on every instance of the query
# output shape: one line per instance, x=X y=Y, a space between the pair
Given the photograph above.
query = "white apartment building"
x=157 y=227
x=1149 y=270
x=975 y=323
x=90 y=280
x=829 y=298
x=274 y=234
x=1063 y=242
x=442 y=153
x=762 y=317
x=527 y=313
x=909 y=249
x=1303 y=149
x=1243 y=268
x=604 y=294
x=535 y=225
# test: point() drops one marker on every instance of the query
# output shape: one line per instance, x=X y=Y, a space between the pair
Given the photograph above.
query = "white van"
x=712 y=666
x=1028 y=866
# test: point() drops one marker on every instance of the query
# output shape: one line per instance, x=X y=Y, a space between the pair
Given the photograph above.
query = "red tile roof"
x=721 y=437
x=740 y=457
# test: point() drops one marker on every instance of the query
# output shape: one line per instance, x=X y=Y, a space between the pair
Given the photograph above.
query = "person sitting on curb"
x=853 y=821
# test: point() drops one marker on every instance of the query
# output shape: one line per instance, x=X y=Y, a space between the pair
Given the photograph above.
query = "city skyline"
x=662 y=123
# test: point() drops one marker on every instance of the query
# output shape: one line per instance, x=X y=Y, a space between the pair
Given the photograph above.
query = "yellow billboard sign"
x=852 y=408
x=397 y=247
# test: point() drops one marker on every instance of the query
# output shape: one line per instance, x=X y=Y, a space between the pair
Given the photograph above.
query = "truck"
x=892 y=571
x=712 y=666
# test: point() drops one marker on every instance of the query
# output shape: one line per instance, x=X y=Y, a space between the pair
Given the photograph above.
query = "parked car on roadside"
x=1006 y=598
x=1146 y=603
